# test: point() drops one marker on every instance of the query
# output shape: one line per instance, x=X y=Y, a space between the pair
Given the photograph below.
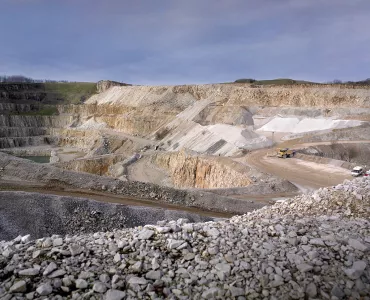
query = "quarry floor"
x=306 y=175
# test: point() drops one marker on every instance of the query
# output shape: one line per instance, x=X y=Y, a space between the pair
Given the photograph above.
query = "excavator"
x=285 y=153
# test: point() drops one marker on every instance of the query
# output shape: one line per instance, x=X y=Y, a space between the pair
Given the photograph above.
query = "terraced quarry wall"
x=230 y=94
x=141 y=110
x=29 y=111
x=214 y=119
x=29 y=130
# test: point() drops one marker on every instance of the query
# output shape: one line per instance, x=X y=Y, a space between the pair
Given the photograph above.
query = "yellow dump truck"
x=285 y=153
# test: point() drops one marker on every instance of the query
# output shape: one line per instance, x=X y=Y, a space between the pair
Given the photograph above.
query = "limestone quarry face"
x=237 y=95
x=188 y=171
x=182 y=151
x=230 y=120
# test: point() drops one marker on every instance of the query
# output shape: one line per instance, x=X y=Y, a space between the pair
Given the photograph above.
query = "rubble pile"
x=313 y=246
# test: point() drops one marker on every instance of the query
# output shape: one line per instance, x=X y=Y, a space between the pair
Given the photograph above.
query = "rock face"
x=98 y=165
x=313 y=246
x=25 y=130
x=202 y=172
x=232 y=115
x=298 y=96
x=354 y=154
x=22 y=92
x=142 y=110
x=104 y=85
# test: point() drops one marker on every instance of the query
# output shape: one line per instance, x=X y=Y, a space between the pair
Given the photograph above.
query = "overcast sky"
x=187 y=41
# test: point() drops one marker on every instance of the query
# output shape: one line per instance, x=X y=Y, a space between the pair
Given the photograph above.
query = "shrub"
x=245 y=80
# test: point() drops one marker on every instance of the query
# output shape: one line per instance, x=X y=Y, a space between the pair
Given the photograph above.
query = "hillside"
x=288 y=81
x=47 y=93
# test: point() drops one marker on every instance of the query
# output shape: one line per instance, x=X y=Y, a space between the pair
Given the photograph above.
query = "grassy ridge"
x=47 y=93
x=283 y=81
x=71 y=92
x=277 y=81
x=287 y=81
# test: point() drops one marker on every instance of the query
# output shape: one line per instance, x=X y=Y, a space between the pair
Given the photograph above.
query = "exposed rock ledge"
x=103 y=85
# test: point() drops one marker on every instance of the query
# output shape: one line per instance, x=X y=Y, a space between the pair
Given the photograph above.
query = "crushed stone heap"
x=310 y=247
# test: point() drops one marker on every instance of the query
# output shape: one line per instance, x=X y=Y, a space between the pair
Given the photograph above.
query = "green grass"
x=277 y=81
x=282 y=81
x=48 y=93
x=71 y=92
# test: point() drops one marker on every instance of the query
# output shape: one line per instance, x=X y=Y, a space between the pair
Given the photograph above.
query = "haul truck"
x=285 y=153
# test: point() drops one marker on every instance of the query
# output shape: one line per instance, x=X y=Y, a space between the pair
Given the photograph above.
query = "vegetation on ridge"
x=288 y=81
x=71 y=92
x=47 y=92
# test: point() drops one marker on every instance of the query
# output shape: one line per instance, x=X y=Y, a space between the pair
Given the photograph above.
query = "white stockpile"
x=238 y=136
x=297 y=125
x=191 y=135
x=313 y=246
x=185 y=133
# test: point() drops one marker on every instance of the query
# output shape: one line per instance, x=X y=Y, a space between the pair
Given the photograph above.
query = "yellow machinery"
x=285 y=153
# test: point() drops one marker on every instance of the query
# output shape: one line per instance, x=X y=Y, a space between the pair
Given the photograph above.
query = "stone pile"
x=24 y=213
x=311 y=247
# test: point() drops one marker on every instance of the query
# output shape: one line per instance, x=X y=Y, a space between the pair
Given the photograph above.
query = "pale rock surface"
x=248 y=256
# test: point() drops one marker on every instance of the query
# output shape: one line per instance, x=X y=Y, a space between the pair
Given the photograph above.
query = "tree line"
x=291 y=81
x=24 y=79
x=338 y=81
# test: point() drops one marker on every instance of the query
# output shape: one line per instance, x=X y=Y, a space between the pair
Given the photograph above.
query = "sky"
x=182 y=42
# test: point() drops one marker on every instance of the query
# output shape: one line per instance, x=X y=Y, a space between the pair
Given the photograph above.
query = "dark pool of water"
x=38 y=159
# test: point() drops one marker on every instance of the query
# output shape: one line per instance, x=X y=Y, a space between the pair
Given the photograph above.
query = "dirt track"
x=306 y=175
x=102 y=197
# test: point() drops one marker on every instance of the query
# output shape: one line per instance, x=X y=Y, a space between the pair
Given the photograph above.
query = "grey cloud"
x=186 y=41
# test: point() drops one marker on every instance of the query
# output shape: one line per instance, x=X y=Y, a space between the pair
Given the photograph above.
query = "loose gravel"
x=40 y=215
x=313 y=246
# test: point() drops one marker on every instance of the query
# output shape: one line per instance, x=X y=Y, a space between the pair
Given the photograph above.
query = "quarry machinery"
x=357 y=171
x=285 y=153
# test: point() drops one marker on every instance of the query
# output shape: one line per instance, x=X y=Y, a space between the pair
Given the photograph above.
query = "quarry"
x=116 y=191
